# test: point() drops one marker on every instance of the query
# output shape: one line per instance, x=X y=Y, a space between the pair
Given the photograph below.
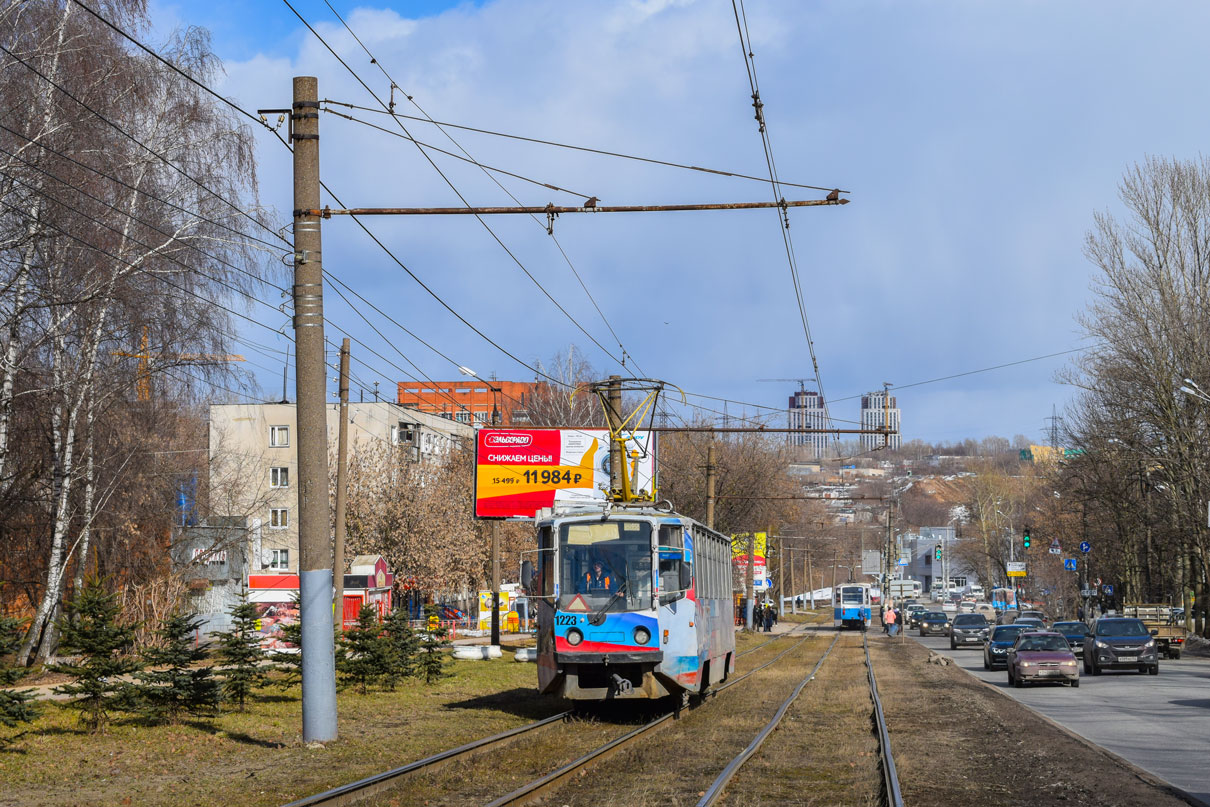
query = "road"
x=1159 y=723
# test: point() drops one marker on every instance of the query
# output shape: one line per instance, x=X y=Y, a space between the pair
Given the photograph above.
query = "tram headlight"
x=642 y=635
x=574 y=637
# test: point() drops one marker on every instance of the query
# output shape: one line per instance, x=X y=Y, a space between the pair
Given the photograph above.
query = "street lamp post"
x=495 y=529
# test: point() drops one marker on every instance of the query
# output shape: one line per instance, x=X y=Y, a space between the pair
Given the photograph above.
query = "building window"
x=482 y=417
x=279 y=518
x=279 y=477
x=463 y=417
x=279 y=559
x=403 y=433
x=279 y=436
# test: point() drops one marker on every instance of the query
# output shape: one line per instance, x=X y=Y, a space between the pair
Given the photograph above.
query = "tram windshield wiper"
x=598 y=616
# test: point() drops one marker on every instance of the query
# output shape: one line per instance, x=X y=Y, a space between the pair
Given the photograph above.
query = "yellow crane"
x=144 y=355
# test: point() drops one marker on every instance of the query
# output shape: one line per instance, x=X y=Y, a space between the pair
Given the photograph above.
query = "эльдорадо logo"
x=508 y=440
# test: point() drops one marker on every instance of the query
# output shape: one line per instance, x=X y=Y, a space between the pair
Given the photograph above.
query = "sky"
x=975 y=140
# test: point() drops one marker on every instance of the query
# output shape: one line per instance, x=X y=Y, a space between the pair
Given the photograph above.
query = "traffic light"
x=1025 y=537
x=937 y=552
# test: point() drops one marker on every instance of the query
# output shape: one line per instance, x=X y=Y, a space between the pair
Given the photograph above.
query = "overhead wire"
x=141 y=144
x=525 y=270
x=603 y=152
x=745 y=40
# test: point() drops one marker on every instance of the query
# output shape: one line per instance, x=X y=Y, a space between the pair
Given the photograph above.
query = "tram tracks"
x=371 y=786
x=889 y=791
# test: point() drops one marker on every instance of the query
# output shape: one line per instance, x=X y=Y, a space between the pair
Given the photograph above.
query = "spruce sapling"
x=366 y=651
x=90 y=628
x=240 y=654
x=403 y=644
x=178 y=689
x=15 y=707
x=432 y=661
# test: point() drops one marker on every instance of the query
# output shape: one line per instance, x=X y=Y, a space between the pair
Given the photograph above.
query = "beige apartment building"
x=254 y=464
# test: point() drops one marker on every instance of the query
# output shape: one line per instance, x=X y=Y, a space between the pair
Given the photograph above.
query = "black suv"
x=1119 y=643
x=968 y=629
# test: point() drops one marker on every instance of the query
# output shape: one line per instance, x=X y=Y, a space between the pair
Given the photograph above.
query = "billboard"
x=739 y=558
x=521 y=471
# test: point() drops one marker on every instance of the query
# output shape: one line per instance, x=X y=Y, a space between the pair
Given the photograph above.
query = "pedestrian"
x=892 y=621
x=768 y=619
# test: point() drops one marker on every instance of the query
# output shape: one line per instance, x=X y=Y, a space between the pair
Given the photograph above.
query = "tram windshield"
x=605 y=566
x=855 y=596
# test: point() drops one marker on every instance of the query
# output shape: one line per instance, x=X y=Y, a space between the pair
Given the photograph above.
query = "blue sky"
x=977 y=140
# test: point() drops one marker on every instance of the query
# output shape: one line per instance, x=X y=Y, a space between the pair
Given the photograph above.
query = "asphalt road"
x=1160 y=723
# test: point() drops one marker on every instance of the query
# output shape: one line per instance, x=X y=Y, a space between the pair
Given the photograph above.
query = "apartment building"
x=807 y=412
x=254 y=464
x=878 y=409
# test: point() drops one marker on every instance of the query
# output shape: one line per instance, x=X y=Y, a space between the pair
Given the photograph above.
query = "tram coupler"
x=620 y=685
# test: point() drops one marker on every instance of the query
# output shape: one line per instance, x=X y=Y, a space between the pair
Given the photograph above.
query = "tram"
x=1004 y=599
x=632 y=602
x=851 y=606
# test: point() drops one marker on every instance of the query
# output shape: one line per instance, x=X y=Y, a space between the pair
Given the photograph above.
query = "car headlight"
x=1102 y=645
x=1027 y=664
x=1150 y=643
x=642 y=635
x=1071 y=663
x=574 y=637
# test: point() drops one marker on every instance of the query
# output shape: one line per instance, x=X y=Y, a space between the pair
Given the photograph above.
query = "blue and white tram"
x=851 y=606
x=634 y=602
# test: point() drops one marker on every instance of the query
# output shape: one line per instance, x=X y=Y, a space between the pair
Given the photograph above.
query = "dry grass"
x=257 y=758
x=824 y=751
x=677 y=762
x=956 y=742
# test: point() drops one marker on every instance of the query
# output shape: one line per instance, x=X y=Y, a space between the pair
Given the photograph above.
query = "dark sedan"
x=1073 y=632
x=968 y=629
x=995 y=652
x=1118 y=643
x=934 y=622
x=911 y=616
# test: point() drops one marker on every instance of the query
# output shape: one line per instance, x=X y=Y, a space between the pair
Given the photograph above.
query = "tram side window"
x=671 y=551
x=546 y=567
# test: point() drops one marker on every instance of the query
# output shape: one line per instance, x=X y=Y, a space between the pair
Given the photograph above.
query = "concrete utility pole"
x=314 y=543
x=342 y=483
x=613 y=413
x=781 y=577
x=711 y=471
x=752 y=580
x=811 y=579
x=496 y=583
x=793 y=587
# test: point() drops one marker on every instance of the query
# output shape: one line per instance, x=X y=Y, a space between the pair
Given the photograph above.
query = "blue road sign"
x=1085 y=547
x=1069 y=564
x=1107 y=590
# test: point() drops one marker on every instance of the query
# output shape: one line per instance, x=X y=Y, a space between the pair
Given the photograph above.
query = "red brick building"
x=472 y=400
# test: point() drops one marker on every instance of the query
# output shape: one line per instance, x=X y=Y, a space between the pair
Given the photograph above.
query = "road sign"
x=1015 y=568
x=1107 y=590
x=1088 y=592
x=1085 y=547
x=1054 y=547
x=1069 y=564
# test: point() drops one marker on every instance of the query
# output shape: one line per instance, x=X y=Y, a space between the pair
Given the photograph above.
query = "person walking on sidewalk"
x=892 y=619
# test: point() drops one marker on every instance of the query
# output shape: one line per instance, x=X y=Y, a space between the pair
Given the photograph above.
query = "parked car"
x=1042 y=656
x=934 y=622
x=1073 y=632
x=995 y=651
x=968 y=629
x=1120 y=643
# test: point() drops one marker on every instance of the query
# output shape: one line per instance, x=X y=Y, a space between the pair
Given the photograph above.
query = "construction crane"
x=143 y=383
x=802 y=382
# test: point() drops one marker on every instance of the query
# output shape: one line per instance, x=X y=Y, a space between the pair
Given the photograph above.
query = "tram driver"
x=600 y=579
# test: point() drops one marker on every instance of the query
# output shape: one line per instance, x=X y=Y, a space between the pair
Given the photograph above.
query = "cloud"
x=976 y=139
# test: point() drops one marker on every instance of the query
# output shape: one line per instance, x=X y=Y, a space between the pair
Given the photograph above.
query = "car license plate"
x=1125 y=659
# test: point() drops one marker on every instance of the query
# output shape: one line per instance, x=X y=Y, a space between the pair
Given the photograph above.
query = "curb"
x=1144 y=775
